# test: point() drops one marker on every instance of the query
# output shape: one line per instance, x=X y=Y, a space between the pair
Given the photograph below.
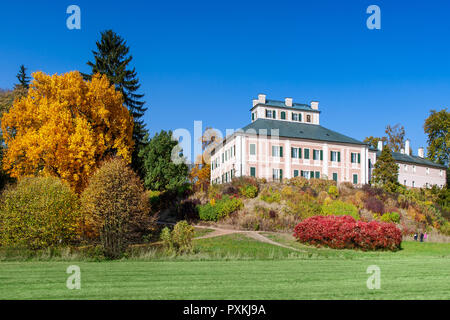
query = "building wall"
x=419 y=176
x=264 y=162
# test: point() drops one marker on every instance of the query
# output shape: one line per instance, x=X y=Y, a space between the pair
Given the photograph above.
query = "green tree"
x=385 y=172
x=437 y=127
x=24 y=80
x=161 y=173
x=112 y=58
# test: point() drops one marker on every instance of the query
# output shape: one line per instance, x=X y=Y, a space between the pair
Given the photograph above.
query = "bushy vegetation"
x=219 y=207
x=393 y=217
x=344 y=232
x=38 y=212
x=116 y=208
x=340 y=208
x=179 y=240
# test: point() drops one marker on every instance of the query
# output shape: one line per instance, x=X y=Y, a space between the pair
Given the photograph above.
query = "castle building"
x=285 y=140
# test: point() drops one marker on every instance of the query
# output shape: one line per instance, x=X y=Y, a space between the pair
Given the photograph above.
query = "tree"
x=161 y=172
x=24 y=80
x=65 y=127
x=437 y=127
x=116 y=208
x=112 y=59
x=373 y=141
x=395 y=137
x=201 y=172
x=385 y=172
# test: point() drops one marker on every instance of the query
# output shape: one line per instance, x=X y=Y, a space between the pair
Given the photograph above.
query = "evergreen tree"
x=24 y=80
x=385 y=173
x=112 y=58
x=161 y=173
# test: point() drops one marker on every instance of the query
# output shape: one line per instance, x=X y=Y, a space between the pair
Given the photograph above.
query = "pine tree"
x=24 y=80
x=385 y=173
x=112 y=58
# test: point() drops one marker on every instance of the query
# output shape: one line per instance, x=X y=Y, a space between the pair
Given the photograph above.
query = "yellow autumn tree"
x=65 y=127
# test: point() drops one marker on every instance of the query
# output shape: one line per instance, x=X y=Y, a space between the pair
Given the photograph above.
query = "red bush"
x=342 y=232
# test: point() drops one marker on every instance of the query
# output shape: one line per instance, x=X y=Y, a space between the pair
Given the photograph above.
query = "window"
x=305 y=174
x=299 y=117
x=234 y=151
x=428 y=170
x=406 y=167
x=277 y=174
x=355 y=179
x=277 y=151
x=252 y=149
x=308 y=118
x=441 y=173
x=335 y=177
x=270 y=114
x=223 y=157
x=335 y=156
x=413 y=184
x=317 y=154
x=294 y=152
x=295 y=173
x=414 y=168
x=252 y=171
x=274 y=113
x=306 y=153
x=356 y=157
x=253 y=116
x=317 y=174
x=404 y=182
x=294 y=116
x=283 y=115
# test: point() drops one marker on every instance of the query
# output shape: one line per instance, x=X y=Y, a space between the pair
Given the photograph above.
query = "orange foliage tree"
x=201 y=172
x=65 y=127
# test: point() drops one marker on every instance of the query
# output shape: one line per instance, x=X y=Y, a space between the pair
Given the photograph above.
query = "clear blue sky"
x=206 y=60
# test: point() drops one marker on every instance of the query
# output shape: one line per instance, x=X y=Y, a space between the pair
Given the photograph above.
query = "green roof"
x=402 y=157
x=281 y=104
x=300 y=131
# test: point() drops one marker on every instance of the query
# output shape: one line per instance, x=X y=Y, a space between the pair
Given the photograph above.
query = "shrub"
x=341 y=232
x=249 y=191
x=340 y=208
x=375 y=205
x=319 y=185
x=38 y=212
x=116 y=208
x=178 y=241
x=269 y=195
x=220 y=208
x=333 y=191
x=299 y=182
x=188 y=209
x=303 y=205
x=390 y=217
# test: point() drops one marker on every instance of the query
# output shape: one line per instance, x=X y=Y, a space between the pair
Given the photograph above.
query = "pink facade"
x=293 y=149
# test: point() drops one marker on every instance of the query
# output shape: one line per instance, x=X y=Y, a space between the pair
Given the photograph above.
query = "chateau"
x=285 y=140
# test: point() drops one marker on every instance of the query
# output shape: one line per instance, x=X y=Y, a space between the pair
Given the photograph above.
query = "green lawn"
x=236 y=267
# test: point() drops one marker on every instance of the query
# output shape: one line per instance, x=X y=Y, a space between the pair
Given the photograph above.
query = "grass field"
x=237 y=267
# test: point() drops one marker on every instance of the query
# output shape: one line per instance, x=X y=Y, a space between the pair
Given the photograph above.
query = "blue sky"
x=206 y=60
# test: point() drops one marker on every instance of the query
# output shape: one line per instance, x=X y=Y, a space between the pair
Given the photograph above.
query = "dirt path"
x=252 y=234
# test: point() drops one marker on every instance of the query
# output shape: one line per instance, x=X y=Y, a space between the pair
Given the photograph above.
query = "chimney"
x=262 y=98
x=255 y=102
x=420 y=152
x=288 y=102
x=407 y=146
x=380 y=145
x=315 y=105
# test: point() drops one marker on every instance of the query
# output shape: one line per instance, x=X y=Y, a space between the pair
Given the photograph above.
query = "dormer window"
x=294 y=116
x=308 y=118
x=283 y=115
